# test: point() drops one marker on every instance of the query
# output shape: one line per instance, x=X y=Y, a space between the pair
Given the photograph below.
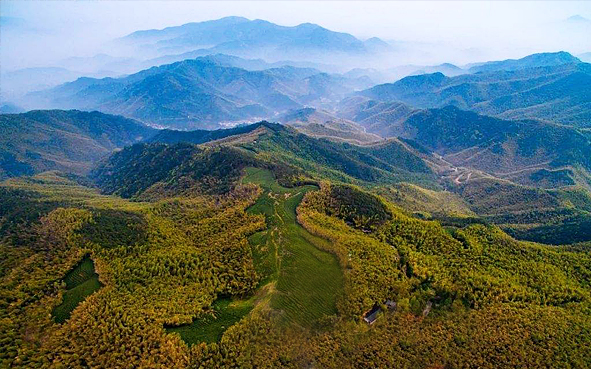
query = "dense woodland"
x=493 y=301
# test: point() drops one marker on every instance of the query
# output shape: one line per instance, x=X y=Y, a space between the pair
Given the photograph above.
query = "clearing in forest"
x=82 y=281
x=226 y=312
x=307 y=279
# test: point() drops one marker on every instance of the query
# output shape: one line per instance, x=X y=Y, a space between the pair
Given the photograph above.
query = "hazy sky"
x=50 y=30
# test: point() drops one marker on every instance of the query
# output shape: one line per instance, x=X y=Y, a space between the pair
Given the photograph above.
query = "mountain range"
x=249 y=197
x=477 y=189
x=253 y=39
x=264 y=145
x=200 y=93
x=530 y=61
x=69 y=141
x=557 y=93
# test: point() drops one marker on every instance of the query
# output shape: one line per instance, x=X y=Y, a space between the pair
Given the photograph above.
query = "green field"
x=308 y=280
x=226 y=312
x=82 y=281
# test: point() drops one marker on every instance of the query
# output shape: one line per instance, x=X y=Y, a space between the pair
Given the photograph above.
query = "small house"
x=370 y=316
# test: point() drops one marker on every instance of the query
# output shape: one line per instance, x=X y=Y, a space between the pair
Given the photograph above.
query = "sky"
x=37 y=32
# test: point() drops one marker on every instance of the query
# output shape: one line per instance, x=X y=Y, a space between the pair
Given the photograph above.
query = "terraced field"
x=299 y=280
x=307 y=281
x=226 y=312
x=81 y=282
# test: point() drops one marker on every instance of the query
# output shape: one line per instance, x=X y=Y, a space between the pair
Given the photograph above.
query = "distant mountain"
x=18 y=82
x=71 y=141
x=253 y=39
x=558 y=93
x=526 y=152
x=235 y=61
x=447 y=69
x=577 y=19
x=180 y=167
x=391 y=74
x=199 y=136
x=376 y=117
x=377 y=45
x=200 y=93
x=530 y=61
x=322 y=124
x=374 y=75
x=9 y=108
x=222 y=59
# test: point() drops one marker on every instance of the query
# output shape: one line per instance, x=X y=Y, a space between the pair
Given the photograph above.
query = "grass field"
x=308 y=280
x=226 y=312
x=82 y=281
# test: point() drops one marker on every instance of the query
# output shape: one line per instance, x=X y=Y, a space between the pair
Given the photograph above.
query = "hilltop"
x=71 y=141
x=199 y=93
x=253 y=39
x=263 y=145
x=556 y=93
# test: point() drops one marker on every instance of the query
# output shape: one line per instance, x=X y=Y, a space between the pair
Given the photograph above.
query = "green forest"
x=264 y=275
x=408 y=190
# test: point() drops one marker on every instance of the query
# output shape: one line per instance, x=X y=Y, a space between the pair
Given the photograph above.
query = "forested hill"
x=525 y=151
x=235 y=193
x=200 y=93
x=557 y=93
x=265 y=145
x=223 y=269
x=71 y=141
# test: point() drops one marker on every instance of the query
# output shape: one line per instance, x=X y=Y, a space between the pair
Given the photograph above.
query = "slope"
x=294 y=157
x=322 y=124
x=199 y=93
x=65 y=140
x=527 y=152
x=559 y=93
x=458 y=297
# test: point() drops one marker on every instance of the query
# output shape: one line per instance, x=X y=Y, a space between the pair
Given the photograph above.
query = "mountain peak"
x=377 y=44
x=307 y=25
x=233 y=18
x=531 y=61
x=577 y=18
x=252 y=39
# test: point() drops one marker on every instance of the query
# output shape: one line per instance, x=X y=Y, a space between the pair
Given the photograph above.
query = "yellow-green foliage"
x=417 y=199
x=476 y=265
x=497 y=303
x=305 y=280
x=194 y=250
